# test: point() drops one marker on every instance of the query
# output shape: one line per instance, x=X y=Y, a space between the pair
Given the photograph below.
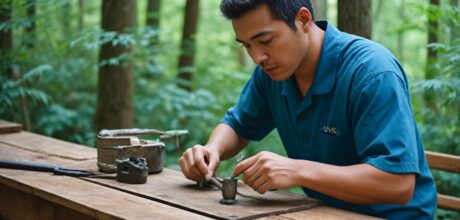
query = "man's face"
x=271 y=43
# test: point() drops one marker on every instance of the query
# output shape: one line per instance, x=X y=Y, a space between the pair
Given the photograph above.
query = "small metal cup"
x=229 y=188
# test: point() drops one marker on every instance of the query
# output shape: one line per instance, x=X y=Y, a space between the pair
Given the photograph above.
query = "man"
x=341 y=106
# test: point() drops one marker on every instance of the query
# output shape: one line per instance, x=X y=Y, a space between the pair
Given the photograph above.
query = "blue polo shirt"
x=356 y=111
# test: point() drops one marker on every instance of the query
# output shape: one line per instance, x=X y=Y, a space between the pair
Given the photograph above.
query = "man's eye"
x=244 y=45
x=267 y=41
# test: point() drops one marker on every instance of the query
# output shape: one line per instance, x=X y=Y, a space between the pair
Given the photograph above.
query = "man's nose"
x=258 y=56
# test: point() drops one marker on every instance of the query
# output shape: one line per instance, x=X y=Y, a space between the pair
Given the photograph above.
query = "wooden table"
x=168 y=195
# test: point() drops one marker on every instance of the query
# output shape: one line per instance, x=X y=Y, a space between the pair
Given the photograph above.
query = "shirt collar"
x=327 y=66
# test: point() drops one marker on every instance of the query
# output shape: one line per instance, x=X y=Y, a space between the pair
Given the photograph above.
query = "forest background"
x=72 y=67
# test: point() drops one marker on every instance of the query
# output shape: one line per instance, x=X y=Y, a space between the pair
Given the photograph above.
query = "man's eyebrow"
x=260 y=34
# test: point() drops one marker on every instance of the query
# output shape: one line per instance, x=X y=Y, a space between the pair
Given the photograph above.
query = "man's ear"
x=304 y=19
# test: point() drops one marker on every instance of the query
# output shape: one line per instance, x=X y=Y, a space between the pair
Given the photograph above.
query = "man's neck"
x=305 y=74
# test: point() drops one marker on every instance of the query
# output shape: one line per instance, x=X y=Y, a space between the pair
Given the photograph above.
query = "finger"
x=187 y=170
x=195 y=175
x=183 y=163
x=213 y=163
x=213 y=159
x=264 y=188
x=191 y=167
x=252 y=174
x=259 y=182
x=244 y=165
x=199 y=160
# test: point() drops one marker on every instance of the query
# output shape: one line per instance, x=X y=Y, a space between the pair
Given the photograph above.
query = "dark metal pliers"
x=45 y=167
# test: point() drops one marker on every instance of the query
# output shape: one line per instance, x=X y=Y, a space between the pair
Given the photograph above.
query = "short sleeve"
x=383 y=123
x=251 y=117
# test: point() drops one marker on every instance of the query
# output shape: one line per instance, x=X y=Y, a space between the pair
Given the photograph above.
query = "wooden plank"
x=446 y=162
x=319 y=213
x=448 y=202
x=87 y=198
x=171 y=187
x=15 y=204
x=76 y=195
x=9 y=127
x=449 y=163
x=8 y=152
x=48 y=146
x=171 y=184
x=165 y=187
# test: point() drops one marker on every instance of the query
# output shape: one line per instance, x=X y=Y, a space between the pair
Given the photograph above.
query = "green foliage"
x=58 y=75
x=440 y=124
x=15 y=89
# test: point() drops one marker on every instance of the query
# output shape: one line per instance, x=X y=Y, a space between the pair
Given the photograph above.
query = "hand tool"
x=45 y=167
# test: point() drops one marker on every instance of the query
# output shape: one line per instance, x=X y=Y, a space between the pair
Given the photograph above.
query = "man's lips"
x=271 y=69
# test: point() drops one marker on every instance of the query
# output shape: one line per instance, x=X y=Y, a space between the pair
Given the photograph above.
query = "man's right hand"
x=199 y=162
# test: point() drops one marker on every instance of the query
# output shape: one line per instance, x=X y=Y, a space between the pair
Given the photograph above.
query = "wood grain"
x=15 y=204
x=72 y=195
x=48 y=146
x=90 y=199
x=319 y=213
x=449 y=202
x=168 y=195
x=171 y=187
x=449 y=163
x=446 y=162
x=9 y=127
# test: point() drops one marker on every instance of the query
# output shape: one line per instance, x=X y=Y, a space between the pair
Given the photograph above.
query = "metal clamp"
x=132 y=170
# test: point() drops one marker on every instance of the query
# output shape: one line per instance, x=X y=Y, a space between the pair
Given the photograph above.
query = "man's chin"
x=278 y=77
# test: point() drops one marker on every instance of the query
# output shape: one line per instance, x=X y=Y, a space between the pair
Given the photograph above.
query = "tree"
x=30 y=29
x=432 y=55
x=6 y=37
x=115 y=86
x=187 y=55
x=153 y=16
x=30 y=43
x=354 y=17
x=455 y=33
x=81 y=17
x=153 y=13
x=66 y=18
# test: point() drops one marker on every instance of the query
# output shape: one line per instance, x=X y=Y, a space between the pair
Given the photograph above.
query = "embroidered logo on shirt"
x=329 y=130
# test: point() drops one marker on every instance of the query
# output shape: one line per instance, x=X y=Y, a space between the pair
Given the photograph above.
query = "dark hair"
x=285 y=10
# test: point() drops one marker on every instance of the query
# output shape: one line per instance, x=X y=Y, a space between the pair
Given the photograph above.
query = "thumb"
x=213 y=163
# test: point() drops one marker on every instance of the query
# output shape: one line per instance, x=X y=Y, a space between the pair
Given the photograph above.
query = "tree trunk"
x=453 y=36
x=187 y=55
x=153 y=18
x=432 y=55
x=6 y=38
x=81 y=17
x=153 y=13
x=30 y=43
x=115 y=87
x=66 y=11
x=455 y=33
x=30 y=38
x=320 y=9
x=354 y=17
